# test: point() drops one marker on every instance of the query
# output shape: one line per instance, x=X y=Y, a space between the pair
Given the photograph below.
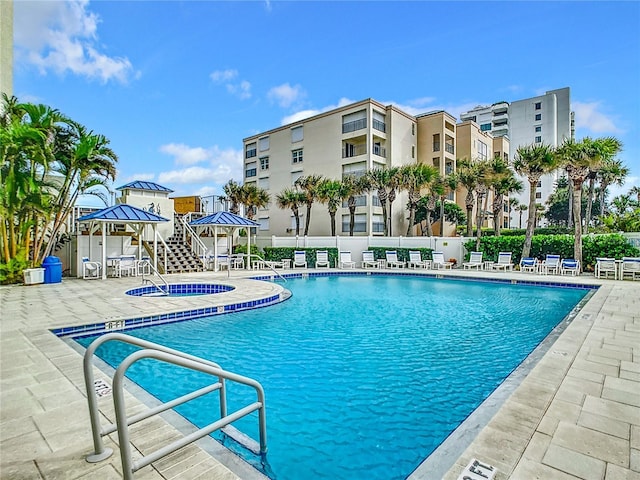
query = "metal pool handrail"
x=170 y=355
x=264 y=262
x=166 y=291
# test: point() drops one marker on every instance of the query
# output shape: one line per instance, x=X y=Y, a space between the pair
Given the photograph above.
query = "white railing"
x=197 y=246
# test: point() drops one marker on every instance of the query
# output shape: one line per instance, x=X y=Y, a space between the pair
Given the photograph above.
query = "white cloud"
x=215 y=165
x=285 y=95
x=61 y=37
x=242 y=90
x=221 y=76
x=185 y=155
x=302 y=114
x=630 y=182
x=590 y=118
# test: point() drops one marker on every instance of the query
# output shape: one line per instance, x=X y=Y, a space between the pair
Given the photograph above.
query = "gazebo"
x=123 y=214
x=229 y=223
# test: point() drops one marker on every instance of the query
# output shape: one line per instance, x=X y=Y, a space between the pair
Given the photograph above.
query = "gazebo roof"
x=123 y=213
x=223 y=219
x=144 y=185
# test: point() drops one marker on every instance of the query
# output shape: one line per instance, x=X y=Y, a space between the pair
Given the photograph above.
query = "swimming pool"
x=364 y=375
x=179 y=290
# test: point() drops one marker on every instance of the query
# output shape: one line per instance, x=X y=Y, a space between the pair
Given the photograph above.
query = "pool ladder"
x=163 y=354
x=144 y=264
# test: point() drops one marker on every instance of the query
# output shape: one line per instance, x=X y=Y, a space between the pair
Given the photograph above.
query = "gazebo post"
x=155 y=247
x=104 y=251
x=215 y=249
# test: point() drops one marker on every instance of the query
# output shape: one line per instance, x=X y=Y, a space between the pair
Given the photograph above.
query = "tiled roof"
x=224 y=219
x=123 y=213
x=141 y=185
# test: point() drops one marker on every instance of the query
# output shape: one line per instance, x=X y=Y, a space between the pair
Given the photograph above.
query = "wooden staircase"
x=180 y=258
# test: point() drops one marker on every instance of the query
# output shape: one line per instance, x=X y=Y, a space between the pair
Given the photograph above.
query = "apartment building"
x=545 y=119
x=350 y=140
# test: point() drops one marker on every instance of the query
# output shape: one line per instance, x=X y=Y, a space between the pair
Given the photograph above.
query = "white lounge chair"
x=392 y=259
x=569 y=266
x=415 y=260
x=630 y=267
x=551 y=264
x=299 y=259
x=369 y=260
x=438 y=261
x=528 y=264
x=345 y=260
x=322 y=259
x=475 y=261
x=605 y=266
x=504 y=262
x=91 y=270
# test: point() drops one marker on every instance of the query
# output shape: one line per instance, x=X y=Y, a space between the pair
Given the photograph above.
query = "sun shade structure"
x=123 y=214
x=142 y=185
x=229 y=223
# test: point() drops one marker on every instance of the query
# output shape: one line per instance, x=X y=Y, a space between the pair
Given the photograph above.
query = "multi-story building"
x=350 y=140
x=545 y=119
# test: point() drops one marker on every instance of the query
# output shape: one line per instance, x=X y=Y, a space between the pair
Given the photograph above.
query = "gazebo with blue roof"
x=123 y=214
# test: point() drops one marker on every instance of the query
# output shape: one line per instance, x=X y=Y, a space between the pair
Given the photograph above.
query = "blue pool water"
x=364 y=375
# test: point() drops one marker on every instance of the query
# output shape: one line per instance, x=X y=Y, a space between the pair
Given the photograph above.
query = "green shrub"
x=255 y=250
x=276 y=254
x=11 y=272
x=613 y=245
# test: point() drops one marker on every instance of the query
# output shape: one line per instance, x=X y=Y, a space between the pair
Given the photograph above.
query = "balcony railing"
x=349 y=150
x=436 y=146
x=380 y=151
x=378 y=227
x=355 y=125
x=378 y=125
x=355 y=174
x=448 y=148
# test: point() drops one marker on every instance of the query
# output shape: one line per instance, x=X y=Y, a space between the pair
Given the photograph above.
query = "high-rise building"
x=6 y=47
x=545 y=119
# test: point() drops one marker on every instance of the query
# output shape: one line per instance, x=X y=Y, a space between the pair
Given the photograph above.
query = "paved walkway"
x=576 y=415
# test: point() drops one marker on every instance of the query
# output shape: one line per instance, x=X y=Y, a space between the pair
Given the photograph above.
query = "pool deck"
x=576 y=415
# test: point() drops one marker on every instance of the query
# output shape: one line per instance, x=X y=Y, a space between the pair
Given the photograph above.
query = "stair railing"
x=167 y=250
x=197 y=246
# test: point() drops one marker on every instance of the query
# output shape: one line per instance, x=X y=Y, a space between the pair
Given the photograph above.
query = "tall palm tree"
x=309 y=186
x=232 y=191
x=413 y=179
x=393 y=186
x=612 y=172
x=291 y=198
x=504 y=182
x=635 y=191
x=253 y=198
x=513 y=205
x=579 y=158
x=447 y=185
x=468 y=177
x=382 y=180
x=331 y=192
x=533 y=161
x=521 y=209
x=352 y=187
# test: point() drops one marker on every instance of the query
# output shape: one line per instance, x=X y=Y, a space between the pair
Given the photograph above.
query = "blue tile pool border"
x=173 y=317
x=182 y=289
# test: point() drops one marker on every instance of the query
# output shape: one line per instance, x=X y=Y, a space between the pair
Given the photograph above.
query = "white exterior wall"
x=143 y=199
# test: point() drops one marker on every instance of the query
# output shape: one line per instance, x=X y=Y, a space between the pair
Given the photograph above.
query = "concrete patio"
x=575 y=415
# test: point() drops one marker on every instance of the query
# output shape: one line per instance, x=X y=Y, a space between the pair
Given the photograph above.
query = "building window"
x=263 y=144
x=356 y=170
x=264 y=224
x=539 y=184
x=413 y=151
x=538 y=139
x=250 y=150
x=377 y=223
x=413 y=129
x=354 y=121
x=263 y=183
x=296 y=156
x=482 y=150
x=538 y=194
x=538 y=117
x=360 y=224
x=361 y=201
x=538 y=105
x=295 y=176
x=485 y=126
x=250 y=170
x=297 y=134
x=538 y=128
x=264 y=163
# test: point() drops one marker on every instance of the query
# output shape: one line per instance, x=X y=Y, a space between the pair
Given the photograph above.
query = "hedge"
x=613 y=246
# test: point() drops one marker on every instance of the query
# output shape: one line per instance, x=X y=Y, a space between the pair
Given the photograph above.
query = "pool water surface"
x=364 y=375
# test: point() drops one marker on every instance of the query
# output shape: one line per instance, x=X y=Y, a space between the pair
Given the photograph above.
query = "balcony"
x=449 y=148
x=350 y=150
x=380 y=151
x=358 y=227
x=355 y=125
x=356 y=174
x=497 y=117
x=378 y=125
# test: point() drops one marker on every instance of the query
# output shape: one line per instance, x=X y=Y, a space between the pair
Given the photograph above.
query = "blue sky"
x=176 y=86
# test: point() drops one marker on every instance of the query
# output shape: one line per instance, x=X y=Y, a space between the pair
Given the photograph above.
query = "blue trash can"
x=52 y=270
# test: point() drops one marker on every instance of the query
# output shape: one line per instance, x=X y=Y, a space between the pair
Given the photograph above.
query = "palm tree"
x=331 y=192
x=533 y=161
x=635 y=191
x=447 y=185
x=414 y=178
x=483 y=182
x=579 y=158
x=291 y=198
x=468 y=178
x=613 y=172
x=253 y=198
x=393 y=186
x=353 y=187
x=521 y=209
x=504 y=182
x=232 y=191
x=382 y=180
x=309 y=186
x=513 y=205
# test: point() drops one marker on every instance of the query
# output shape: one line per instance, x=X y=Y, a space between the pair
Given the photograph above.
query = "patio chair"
x=345 y=260
x=299 y=259
x=529 y=264
x=551 y=264
x=369 y=260
x=91 y=270
x=630 y=267
x=605 y=266
x=415 y=260
x=569 y=266
x=475 y=261
x=438 y=261
x=504 y=262
x=322 y=259
x=236 y=261
x=127 y=266
x=392 y=259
